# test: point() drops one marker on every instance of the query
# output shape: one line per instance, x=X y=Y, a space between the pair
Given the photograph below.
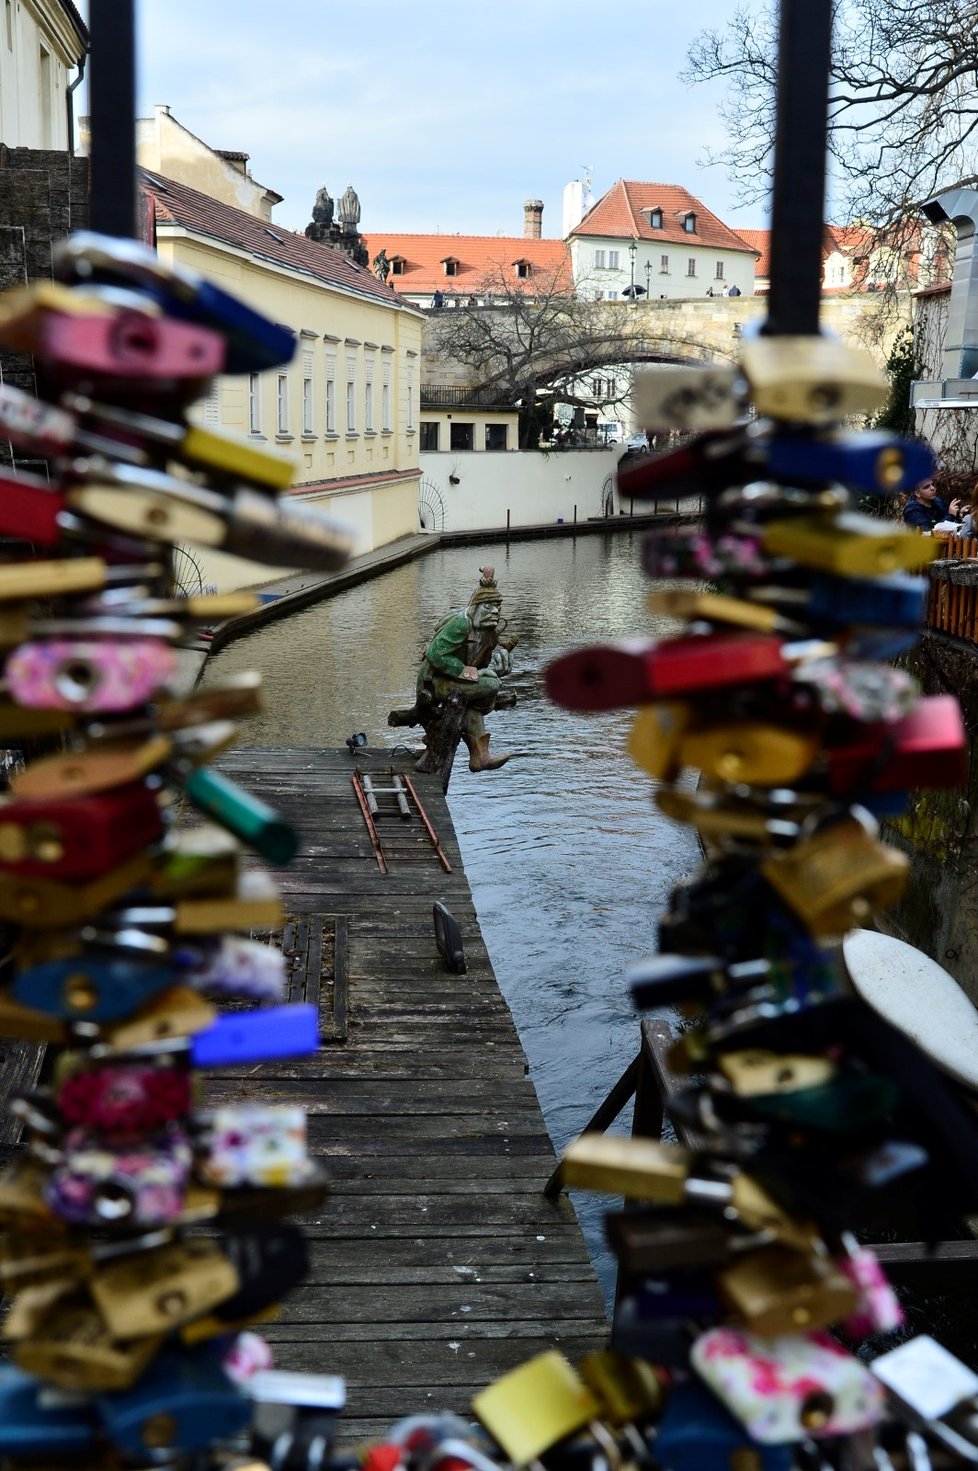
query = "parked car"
x=637 y=442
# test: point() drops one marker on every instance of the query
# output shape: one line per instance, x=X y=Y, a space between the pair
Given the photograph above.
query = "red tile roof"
x=618 y=215
x=759 y=240
x=478 y=256
x=178 y=204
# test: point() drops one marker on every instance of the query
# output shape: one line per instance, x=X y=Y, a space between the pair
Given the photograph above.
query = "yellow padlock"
x=757 y=752
x=850 y=545
x=653 y=742
x=72 y=1349
x=157 y=1291
x=681 y=602
x=812 y=380
x=179 y=1011
x=755 y=1073
x=535 y=1406
x=775 y=1291
x=835 y=879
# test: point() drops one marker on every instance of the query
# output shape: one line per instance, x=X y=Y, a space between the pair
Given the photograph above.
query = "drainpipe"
x=70 y=105
x=959 y=207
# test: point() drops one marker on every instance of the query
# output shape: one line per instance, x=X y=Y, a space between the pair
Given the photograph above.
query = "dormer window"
x=689 y=222
x=398 y=264
x=451 y=264
x=654 y=217
x=523 y=269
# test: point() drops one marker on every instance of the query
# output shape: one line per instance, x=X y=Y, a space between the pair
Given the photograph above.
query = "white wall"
x=38 y=47
x=536 y=488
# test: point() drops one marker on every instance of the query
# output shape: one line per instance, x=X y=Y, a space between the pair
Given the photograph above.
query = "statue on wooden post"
x=459 y=683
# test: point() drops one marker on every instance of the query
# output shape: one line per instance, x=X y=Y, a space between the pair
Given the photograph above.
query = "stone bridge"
x=694 y=331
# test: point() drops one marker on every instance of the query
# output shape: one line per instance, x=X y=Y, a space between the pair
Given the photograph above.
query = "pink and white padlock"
x=877 y=1309
x=259 y=1145
x=88 y=674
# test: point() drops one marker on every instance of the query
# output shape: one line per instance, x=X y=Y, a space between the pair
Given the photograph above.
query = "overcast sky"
x=444 y=117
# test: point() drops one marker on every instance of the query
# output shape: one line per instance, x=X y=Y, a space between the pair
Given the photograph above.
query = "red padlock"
x=927 y=748
x=78 y=837
x=29 y=508
x=611 y=676
x=127 y=346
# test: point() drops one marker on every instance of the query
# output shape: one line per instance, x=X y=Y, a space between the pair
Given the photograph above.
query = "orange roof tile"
x=760 y=241
x=179 y=204
x=478 y=256
x=618 y=215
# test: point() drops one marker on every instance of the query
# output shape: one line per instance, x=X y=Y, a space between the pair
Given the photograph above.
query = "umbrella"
x=634 y=291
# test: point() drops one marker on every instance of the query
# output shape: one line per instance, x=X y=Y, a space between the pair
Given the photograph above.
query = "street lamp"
x=648 y=279
x=633 y=252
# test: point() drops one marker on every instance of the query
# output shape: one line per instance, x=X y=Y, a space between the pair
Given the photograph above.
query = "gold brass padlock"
x=535 y=1406
x=22 y=720
x=681 y=602
x=72 y=1349
x=849 y=545
x=812 y=380
x=28 y=1025
x=757 y=752
x=212 y=1327
x=80 y=773
x=755 y=1073
x=59 y=578
x=22 y=1204
x=28 y=1259
x=255 y=904
x=653 y=742
x=200 y=860
x=156 y=1291
x=835 y=879
x=179 y=1011
x=47 y=904
x=716 y=816
x=776 y=1291
x=628 y=1390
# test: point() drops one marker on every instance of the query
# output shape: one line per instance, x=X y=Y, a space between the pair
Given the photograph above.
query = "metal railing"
x=441 y=396
x=952 y=605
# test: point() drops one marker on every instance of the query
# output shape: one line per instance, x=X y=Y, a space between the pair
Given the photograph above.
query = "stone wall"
x=43 y=195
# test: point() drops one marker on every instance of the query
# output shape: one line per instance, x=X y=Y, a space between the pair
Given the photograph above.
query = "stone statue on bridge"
x=459 y=683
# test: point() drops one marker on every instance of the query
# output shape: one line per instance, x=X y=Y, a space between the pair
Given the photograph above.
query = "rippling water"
x=569 y=862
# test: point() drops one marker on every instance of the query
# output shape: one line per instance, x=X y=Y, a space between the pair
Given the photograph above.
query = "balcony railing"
x=952 y=606
x=439 y=396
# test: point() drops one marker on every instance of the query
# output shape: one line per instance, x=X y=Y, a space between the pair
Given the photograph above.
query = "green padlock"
x=243 y=814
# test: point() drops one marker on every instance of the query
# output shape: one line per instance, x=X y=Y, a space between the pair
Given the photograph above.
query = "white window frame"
x=385 y=395
x=691 y=266
x=663 y=265
x=410 y=397
x=351 y=393
x=614 y=260
x=282 y=404
x=307 y=393
x=599 y=259
x=368 y=394
x=254 y=403
x=331 y=393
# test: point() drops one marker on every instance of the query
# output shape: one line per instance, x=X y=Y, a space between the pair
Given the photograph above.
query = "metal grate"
x=316 y=948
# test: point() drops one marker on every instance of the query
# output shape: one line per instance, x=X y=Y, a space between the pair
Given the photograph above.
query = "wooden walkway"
x=437 y=1262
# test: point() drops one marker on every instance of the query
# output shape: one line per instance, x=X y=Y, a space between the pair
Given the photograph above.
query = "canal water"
x=569 y=862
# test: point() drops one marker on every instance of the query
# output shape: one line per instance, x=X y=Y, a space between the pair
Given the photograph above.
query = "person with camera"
x=925 y=509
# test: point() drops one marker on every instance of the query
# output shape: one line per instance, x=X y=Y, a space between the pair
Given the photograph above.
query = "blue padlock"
x=36 y=1420
x=257 y=1036
x=88 y=987
x=697 y=1433
x=872 y=460
x=184 y=1401
x=899 y=601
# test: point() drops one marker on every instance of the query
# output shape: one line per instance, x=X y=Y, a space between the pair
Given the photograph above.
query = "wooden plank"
x=341 y=978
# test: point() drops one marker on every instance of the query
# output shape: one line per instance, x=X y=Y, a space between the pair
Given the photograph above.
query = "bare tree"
x=535 y=340
x=903 y=109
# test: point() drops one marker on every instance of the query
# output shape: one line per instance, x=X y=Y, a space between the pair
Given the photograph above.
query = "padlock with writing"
x=151 y=1292
x=71 y=1348
x=255 y=1144
x=811 y=380
x=123 y=1101
x=86 y=675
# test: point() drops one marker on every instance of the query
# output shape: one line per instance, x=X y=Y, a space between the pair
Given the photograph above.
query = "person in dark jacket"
x=925 y=508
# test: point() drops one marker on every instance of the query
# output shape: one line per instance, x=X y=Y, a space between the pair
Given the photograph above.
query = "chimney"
x=960 y=207
x=532 y=219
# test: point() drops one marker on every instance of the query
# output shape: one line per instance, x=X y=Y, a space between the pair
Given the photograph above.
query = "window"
x=351 y=393
x=331 y=393
x=429 y=435
x=496 y=436
x=282 y=403
x=596 y=385
x=385 y=397
x=719 y=270
x=655 y=219
x=44 y=88
x=523 y=269
x=663 y=265
x=463 y=436
x=689 y=223
x=611 y=295
x=368 y=394
x=614 y=258
x=397 y=265
x=307 y=392
x=8 y=20
x=254 y=403
x=209 y=406
x=410 y=398
x=599 y=258
x=451 y=266
x=691 y=266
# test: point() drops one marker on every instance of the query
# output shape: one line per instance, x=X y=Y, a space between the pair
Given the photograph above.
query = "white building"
x=42 y=42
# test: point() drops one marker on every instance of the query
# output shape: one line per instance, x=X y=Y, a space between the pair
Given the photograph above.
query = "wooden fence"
x=952 y=606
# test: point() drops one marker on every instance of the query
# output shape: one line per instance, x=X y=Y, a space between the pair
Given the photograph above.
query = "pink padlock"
x=878 y=1309
x=89 y=674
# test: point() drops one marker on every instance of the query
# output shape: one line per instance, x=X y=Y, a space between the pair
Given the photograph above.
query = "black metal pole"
x=800 y=139
x=112 y=108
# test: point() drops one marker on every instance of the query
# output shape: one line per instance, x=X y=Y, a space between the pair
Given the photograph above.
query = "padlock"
x=51 y=905
x=221 y=456
x=924 y=749
x=254 y=903
x=650 y=1242
x=183 y=1402
x=31 y=424
x=89 y=985
x=834 y=879
x=536 y=1406
x=127 y=354
x=177 y=1011
x=127 y=1101
x=730 y=815
x=653 y=742
x=29 y=1024
x=209 y=608
x=864 y=691
x=810 y=1384
x=757 y=1072
x=240 y=967
x=204 y=860
x=22 y=1202
x=247 y=1207
x=877 y=1307
x=35 y=1422
x=774 y=1291
x=239 y=695
x=17 y=722
x=855 y=1098
x=24 y=310
x=243 y=814
x=687 y=398
x=677 y=602
x=631 y=1394
x=847 y=545
x=153 y=1292
x=69 y=1346
x=30 y=508
x=758 y=752
x=254 y=343
x=664 y=1342
x=48 y=579
x=873 y=460
x=704 y=465
x=811 y=380
x=732 y=556
x=697 y=1433
x=255 y=1144
x=669 y=980
x=269 y=1261
x=84 y=675
x=610 y=676
x=77 y=837
x=129 y=1184
x=898 y=601
x=933 y=1391
x=77 y=773
x=237 y=1037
